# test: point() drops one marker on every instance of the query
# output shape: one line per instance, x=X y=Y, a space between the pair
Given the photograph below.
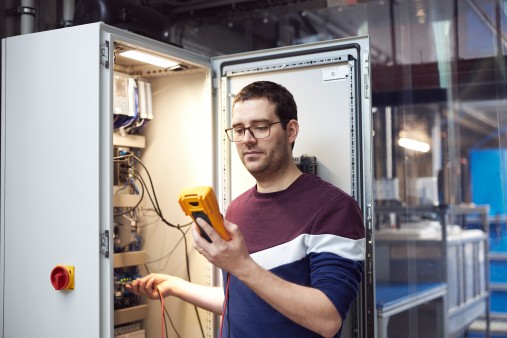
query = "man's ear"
x=292 y=130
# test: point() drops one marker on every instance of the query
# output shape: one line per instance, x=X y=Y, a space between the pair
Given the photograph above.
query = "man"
x=295 y=258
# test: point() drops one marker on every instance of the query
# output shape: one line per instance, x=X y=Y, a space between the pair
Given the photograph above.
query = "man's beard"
x=270 y=168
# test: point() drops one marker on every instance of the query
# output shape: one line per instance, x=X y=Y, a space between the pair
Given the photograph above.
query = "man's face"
x=263 y=158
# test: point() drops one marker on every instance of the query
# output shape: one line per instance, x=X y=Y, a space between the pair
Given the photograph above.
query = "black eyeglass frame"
x=251 y=132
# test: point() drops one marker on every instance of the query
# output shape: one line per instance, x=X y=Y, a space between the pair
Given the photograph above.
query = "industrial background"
x=438 y=75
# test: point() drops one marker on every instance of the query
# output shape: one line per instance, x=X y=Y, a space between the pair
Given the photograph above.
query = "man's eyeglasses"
x=258 y=130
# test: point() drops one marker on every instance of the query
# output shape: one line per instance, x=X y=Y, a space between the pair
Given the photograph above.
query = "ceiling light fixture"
x=412 y=144
x=149 y=58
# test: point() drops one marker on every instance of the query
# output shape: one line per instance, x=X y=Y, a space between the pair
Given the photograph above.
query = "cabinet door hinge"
x=104 y=243
x=104 y=55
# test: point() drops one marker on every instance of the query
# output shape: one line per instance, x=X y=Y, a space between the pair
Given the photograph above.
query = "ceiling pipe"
x=27 y=13
x=68 y=8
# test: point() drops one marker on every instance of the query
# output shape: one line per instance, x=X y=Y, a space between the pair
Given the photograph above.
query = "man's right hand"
x=151 y=285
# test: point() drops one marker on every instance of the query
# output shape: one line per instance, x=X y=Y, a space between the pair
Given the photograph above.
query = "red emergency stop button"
x=62 y=277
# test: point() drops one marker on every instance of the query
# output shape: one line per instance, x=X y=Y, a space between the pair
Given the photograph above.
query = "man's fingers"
x=134 y=286
x=203 y=229
x=145 y=285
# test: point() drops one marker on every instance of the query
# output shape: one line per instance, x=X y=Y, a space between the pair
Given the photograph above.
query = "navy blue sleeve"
x=338 y=278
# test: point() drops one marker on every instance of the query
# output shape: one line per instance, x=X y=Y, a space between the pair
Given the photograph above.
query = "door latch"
x=104 y=243
x=104 y=55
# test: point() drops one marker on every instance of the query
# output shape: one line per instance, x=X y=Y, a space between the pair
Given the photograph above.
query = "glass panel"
x=438 y=107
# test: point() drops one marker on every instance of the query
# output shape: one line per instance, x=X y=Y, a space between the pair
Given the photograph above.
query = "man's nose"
x=249 y=136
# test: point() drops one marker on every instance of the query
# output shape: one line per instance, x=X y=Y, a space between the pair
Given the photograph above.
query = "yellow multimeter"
x=200 y=202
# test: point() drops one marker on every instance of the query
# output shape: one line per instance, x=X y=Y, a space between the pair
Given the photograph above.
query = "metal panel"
x=337 y=106
x=329 y=106
x=55 y=163
x=330 y=83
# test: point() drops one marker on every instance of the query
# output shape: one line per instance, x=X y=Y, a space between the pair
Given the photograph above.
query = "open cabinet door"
x=55 y=189
x=330 y=83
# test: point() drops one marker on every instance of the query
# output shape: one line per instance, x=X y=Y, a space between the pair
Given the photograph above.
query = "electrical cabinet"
x=67 y=179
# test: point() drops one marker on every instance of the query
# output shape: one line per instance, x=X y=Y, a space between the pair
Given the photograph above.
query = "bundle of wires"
x=154 y=201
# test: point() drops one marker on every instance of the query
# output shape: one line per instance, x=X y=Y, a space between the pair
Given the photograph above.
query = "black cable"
x=189 y=279
x=143 y=183
x=155 y=207
x=154 y=200
x=170 y=321
x=151 y=183
x=140 y=178
x=159 y=213
x=134 y=207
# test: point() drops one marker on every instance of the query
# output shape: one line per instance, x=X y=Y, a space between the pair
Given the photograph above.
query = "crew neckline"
x=274 y=193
